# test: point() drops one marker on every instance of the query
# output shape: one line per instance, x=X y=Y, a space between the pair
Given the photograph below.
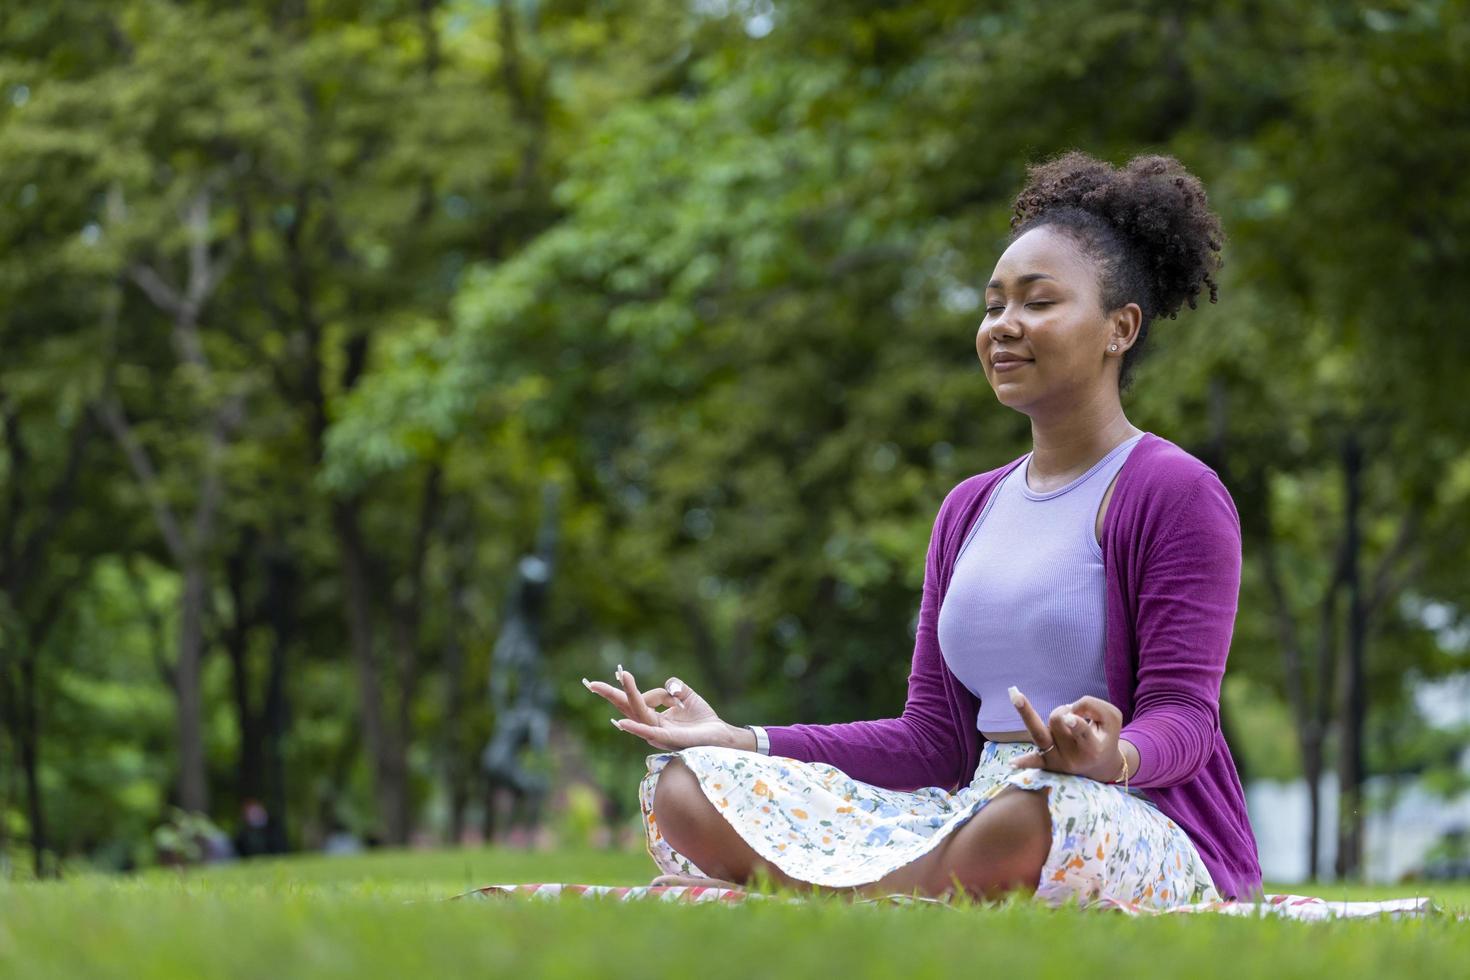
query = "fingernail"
x=619 y=674
x=675 y=687
x=1070 y=719
x=586 y=683
x=1015 y=693
x=615 y=724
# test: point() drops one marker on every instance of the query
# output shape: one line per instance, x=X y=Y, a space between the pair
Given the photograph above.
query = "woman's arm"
x=922 y=747
x=1187 y=601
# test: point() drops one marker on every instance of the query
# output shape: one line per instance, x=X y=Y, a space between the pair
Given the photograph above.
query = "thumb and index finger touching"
x=625 y=696
x=1103 y=714
x=638 y=706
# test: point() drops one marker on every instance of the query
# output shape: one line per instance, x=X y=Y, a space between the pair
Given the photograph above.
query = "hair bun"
x=1157 y=211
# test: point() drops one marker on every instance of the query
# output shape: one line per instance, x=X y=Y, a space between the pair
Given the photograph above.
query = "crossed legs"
x=999 y=850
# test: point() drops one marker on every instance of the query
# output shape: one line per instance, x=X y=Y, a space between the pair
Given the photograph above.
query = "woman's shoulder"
x=1164 y=480
x=971 y=487
x=1163 y=463
x=964 y=498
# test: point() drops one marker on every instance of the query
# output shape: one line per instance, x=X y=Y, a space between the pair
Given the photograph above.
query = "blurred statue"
x=520 y=696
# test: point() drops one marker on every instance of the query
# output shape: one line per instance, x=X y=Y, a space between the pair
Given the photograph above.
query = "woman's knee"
x=1002 y=848
x=679 y=804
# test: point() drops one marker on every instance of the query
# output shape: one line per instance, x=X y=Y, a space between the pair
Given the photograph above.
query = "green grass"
x=381 y=915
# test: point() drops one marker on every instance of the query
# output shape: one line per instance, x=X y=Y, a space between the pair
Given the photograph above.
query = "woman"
x=1061 y=735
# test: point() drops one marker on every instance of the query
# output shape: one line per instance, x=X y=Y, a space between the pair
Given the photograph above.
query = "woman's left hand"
x=1084 y=733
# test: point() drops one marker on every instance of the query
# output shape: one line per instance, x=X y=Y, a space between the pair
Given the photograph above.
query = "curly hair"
x=1147 y=224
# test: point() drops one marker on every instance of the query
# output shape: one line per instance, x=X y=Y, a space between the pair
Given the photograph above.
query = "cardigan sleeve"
x=1188 y=593
x=922 y=747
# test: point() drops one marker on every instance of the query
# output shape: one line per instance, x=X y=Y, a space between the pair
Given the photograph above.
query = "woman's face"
x=1044 y=305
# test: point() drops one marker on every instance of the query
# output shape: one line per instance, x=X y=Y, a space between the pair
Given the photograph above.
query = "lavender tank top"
x=1026 y=603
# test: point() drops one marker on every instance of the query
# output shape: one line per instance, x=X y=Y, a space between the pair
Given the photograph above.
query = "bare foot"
x=695 y=882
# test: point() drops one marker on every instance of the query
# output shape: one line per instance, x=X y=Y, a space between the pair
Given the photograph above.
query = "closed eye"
x=1034 y=304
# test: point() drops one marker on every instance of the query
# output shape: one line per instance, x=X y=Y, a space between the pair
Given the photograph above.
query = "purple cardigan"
x=1172 y=553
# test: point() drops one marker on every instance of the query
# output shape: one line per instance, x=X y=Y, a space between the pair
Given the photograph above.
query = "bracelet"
x=1124 y=775
x=762 y=741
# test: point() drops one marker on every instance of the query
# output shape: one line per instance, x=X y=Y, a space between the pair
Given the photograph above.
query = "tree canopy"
x=304 y=305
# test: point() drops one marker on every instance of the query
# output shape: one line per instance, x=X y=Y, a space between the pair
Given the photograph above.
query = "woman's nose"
x=995 y=330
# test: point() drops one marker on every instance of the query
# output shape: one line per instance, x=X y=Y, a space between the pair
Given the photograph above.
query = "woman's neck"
x=1065 y=450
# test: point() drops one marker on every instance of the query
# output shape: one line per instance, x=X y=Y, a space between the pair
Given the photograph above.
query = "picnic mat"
x=1304 y=907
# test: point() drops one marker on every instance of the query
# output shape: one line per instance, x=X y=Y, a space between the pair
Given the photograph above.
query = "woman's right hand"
x=687 y=720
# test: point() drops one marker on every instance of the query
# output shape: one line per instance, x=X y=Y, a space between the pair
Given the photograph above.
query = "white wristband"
x=762 y=743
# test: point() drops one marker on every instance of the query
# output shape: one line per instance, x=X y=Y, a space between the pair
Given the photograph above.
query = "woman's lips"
x=1010 y=365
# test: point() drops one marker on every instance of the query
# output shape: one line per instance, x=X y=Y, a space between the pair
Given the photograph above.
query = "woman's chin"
x=1008 y=396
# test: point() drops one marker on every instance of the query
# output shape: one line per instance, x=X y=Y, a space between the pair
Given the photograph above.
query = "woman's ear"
x=1126 y=321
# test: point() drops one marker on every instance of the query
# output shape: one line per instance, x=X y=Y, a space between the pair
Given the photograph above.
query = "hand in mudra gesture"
x=1084 y=736
x=686 y=721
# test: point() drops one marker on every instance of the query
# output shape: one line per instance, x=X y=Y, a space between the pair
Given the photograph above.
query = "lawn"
x=382 y=915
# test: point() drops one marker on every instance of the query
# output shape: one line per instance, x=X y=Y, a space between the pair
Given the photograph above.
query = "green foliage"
x=715 y=276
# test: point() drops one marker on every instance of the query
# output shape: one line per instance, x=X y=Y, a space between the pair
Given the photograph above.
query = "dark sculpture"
x=520 y=695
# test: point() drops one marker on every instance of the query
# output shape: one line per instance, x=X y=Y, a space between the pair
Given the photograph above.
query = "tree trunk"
x=460 y=768
x=384 y=752
x=20 y=710
x=1309 y=706
x=7 y=732
x=193 y=784
x=281 y=585
x=189 y=545
x=249 y=764
x=456 y=772
x=30 y=761
x=1354 y=702
x=1286 y=634
x=406 y=616
x=19 y=559
x=1315 y=762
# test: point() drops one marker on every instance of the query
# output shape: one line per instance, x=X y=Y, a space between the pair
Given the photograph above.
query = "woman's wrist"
x=1110 y=768
x=1128 y=763
x=740 y=737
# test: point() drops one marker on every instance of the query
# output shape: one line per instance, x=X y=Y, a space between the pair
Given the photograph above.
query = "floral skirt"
x=819 y=825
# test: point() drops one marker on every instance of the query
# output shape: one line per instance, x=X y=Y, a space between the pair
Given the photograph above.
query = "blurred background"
x=373 y=371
